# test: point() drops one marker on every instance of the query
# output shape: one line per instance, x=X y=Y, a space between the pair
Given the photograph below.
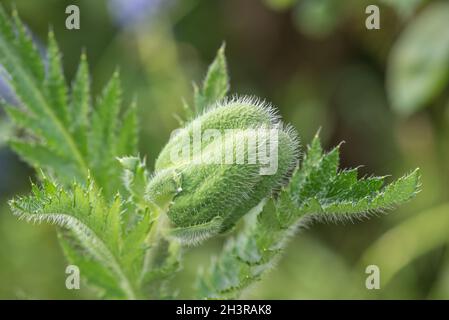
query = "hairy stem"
x=162 y=258
x=246 y=257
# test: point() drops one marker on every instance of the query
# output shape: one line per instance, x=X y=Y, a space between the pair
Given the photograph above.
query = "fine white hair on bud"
x=225 y=162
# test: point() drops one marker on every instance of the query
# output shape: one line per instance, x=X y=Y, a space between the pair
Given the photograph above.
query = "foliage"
x=317 y=191
x=121 y=225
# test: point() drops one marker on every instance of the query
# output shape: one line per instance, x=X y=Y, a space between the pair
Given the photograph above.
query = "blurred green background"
x=384 y=92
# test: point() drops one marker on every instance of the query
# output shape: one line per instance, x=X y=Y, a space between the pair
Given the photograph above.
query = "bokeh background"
x=384 y=92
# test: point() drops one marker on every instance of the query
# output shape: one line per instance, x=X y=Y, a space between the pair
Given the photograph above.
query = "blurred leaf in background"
x=404 y=7
x=409 y=240
x=417 y=68
x=319 y=18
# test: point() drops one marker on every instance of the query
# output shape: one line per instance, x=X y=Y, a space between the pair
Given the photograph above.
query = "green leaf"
x=18 y=59
x=134 y=245
x=39 y=156
x=55 y=85
x=215 y=85
x=418 y=64
x=135 y=179
x=95 y=274
x=23 y=119
x=127 y=141
x=104 y=119
x=102 y=139
x=80 y=104
x=196 y=234
x=318 y=190
x=26 y=47
x=41 y=153
x=95 y=223
x=59 y=127
x=244 y=258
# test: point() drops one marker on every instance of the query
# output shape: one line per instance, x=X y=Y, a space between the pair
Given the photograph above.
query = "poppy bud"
x=220 y=166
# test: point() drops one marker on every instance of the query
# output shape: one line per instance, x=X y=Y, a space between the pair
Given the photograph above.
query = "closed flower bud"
x=220 y=166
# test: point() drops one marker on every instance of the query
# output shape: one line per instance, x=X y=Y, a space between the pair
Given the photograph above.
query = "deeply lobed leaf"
x=95 y=238
x=65 y=136
x=317 y=189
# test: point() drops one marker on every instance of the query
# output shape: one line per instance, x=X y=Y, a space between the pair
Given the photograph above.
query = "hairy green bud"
x=221 y=165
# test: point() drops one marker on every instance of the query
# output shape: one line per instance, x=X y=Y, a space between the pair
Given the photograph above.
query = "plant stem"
x=163 y=253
